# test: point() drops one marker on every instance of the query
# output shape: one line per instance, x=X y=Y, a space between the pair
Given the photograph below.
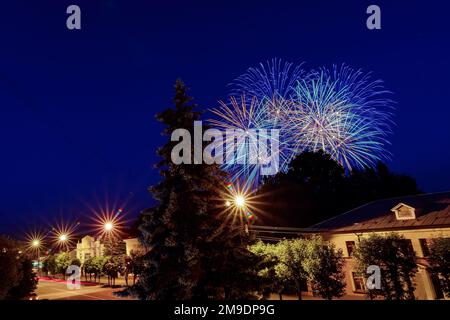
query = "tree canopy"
x=396 y=259
x=291 y=264
x=316 y=188
x=17 y=278
x=440 y=262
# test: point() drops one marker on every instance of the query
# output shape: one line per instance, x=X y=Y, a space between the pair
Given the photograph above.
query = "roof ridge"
x=376 y=201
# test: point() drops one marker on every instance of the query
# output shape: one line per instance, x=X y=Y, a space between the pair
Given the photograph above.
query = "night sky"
x=77 y=107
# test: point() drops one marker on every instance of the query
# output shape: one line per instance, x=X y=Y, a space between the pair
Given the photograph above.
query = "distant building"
x=419 y=219
x=88 y=247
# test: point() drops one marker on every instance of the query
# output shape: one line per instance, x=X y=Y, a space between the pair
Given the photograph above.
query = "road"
x=57 y=290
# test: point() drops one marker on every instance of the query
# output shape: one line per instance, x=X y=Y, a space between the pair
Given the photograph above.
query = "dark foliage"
x=194 y=252
x=316 y=188
x=17 y=278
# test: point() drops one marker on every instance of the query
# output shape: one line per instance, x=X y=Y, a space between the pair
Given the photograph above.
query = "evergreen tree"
x=193 y=252
x=17 y=278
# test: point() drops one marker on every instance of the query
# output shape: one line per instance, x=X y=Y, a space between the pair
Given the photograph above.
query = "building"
x=418 y=219
x=88 y=247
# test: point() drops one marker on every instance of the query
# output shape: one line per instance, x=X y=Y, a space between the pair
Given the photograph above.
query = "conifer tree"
x=194 y=252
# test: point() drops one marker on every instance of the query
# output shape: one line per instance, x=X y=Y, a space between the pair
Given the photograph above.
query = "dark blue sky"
x=77 y=107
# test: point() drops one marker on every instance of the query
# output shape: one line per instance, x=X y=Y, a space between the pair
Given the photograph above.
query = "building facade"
x=89 y=247
x=419 y=219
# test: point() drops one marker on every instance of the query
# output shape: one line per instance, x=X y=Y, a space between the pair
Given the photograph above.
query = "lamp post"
x=36 y=244
x=240 y=203
x=63 y=238
x=108 y=227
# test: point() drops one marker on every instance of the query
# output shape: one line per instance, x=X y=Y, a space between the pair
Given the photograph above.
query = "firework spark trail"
x=245 y=119
x=273 y=79
x=341 y=111
x=341 y=115
x=259 y=101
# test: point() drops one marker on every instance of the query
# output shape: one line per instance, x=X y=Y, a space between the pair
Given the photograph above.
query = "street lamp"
x=108 y=226
x=63 y=237
x=239 y=200
x=36 y=244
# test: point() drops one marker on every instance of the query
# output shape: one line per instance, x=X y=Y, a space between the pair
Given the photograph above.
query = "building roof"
x=432 y=210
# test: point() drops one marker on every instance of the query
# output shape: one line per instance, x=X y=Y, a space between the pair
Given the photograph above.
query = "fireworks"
x=274 y=80
x=341 y=111
x=248 y=122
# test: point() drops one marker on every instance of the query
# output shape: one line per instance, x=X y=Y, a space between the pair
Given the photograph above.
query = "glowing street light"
x=63 y=237
x=36 y=243
x=108 y=226
x=239 y=200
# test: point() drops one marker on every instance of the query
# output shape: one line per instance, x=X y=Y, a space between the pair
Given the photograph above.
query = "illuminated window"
x=350 y=247
x=359 y=283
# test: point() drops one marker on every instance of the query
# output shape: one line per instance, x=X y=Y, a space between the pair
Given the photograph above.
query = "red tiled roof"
x=432 y=210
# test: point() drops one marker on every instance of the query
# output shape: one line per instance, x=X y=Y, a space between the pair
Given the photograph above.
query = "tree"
x=49 y=265
x=134 y=265
x=27 y=280
x=113 y=266
x=17 y=278
x=395 y=258
x=316 y=188
x=377 y=183
x=75 y=262
x=324 y=266
x=309 y=192
x=276 y=282
x=88 y=268
x=291 y=263
x=192 y=246
x=96 y=266
x=115 y=263
x=291 y=255
x=62 y=261
x=440 y=262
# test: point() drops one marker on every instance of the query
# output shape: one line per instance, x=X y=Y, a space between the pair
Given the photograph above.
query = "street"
x=57 y=290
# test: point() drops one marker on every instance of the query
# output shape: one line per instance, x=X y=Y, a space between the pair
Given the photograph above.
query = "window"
x=350 y=247
x=424 y=244
x=437 y=286
x=359 y=282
